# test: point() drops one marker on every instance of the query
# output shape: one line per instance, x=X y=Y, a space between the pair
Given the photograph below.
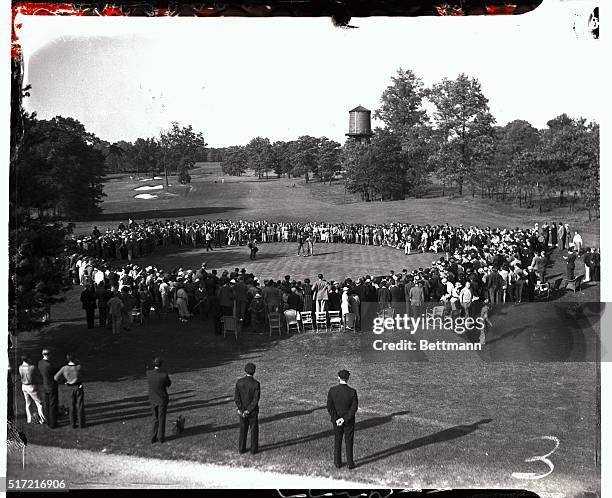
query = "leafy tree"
x=234 y=160
x=512 y=165
x=145 y=155
x=115 y=156
x=305 y=152
x=568 y=156
x=281 y=156
x=37 y=270
x=36 y=243
x=401 y=104
x=259 y=156
x=465 y=128
x=376 y=170
x=58 y=168
x=182 y=147
x=328 y=159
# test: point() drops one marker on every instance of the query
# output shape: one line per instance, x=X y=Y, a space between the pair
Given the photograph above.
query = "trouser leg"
x=349 y=435
x=338 y=431
x=154 y=422
x=73 y=408
x=161 y=431
x=254 y=427
x=28 y=402
x=52 y=400
x=242 y=435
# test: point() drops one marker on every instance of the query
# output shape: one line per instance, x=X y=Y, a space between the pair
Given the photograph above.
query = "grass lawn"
x=435 y=422
x=212 y=195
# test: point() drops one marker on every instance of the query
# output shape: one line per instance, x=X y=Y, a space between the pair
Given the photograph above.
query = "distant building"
x=360 y=127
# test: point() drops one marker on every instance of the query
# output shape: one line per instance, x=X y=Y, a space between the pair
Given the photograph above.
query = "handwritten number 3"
x=542 y=458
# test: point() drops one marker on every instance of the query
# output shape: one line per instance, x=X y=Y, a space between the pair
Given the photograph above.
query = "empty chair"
x=291 y=318
x=387 y=313
x=305 y=318
x=321 y=320
x=230 y=326
x=274 y=321
x=435 y=312
x=575 y=284
x=543 y=290
x=556 y=286
x=137 y=315
x=335 y=321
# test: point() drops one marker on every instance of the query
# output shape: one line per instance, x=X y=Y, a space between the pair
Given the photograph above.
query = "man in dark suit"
x=247 y=401
x=50 y=390
x=342 y=405
x=158 y=381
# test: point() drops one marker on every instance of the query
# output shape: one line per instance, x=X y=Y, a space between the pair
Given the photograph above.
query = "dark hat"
x=344 y=374
x=249 y=368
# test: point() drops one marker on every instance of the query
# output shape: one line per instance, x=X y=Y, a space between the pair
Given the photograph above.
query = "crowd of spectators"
x=474 y=265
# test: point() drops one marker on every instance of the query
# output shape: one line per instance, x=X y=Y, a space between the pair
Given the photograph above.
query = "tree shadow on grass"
x=163 y=214
x=438 y=437
x=114 y=410
x=361 y=425
x=181 y=407
x=107 y=358
x=136 y=399
x=207 y=428
x=513 y=332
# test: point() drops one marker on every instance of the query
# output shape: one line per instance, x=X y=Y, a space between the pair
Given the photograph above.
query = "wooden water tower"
x=360 y=128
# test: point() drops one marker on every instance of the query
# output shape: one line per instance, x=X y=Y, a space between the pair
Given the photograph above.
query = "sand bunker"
x=145 y=196
x=145 y=179
x=157 y=178
x=150 y=187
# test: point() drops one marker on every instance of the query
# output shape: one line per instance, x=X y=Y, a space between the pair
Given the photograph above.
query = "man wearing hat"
x=246 y=397
x=342 y=406
x=50 y=389
x=158 y=382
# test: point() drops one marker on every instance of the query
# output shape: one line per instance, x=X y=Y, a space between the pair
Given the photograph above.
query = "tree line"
x=56 y=172
x=445 y=134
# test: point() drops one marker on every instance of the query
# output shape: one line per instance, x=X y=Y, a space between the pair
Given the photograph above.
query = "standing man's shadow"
x=364 y=424
x=437 y=437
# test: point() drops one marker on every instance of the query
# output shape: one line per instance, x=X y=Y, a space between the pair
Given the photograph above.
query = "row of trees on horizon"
x=458 y=144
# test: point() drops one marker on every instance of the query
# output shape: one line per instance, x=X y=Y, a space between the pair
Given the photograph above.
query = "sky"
x=234 y=79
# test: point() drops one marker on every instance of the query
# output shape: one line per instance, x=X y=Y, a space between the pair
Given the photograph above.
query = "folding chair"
x=321 y=320
x=306 y=318
x=137 y=316
x=291 y=318
x=335 y=321
x=556 y=287
x=274 y=321
x=575 y=284
x=435 y=312
x=229 y=326
x=543 y=290
x=387 y=313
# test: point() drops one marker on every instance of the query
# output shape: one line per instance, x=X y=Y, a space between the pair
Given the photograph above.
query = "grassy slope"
x=277 y=199
x=428 y=423
x=422 y=424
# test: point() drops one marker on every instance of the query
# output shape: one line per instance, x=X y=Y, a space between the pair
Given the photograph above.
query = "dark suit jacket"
x=342 y=403
x=48 y=371
x=158 y=384
x=247 y=394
